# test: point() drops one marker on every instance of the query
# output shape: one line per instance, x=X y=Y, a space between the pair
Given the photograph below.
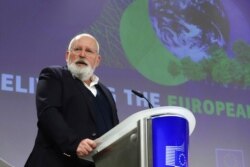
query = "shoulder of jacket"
x=54 y=70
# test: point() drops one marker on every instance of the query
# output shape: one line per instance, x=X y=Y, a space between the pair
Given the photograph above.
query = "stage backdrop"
x=189 y=53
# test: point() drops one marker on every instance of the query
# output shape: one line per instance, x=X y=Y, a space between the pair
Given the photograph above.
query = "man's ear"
x=98 y=61
x=67 y=56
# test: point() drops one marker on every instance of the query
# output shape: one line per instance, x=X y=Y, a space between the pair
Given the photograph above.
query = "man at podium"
x=73 y=108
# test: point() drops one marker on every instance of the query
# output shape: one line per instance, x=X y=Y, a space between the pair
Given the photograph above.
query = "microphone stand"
x=142 y=96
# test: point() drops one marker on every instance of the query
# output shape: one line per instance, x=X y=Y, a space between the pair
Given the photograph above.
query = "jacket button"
x=94 y=134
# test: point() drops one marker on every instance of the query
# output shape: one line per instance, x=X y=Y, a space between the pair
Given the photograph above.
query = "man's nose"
x=82 y=54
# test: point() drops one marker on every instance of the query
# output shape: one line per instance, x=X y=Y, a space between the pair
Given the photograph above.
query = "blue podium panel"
x=170 y=139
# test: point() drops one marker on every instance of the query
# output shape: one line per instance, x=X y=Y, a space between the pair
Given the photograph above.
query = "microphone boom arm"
x=142 y=96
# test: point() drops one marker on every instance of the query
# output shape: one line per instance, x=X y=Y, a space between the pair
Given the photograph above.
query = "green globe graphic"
x=143 y=48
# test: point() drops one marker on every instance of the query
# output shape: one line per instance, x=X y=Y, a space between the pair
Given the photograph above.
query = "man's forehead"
x=83 y=39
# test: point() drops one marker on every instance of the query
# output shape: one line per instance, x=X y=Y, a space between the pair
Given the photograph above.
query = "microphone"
x=142 y=96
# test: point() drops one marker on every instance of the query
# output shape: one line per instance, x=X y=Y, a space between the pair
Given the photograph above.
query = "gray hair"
x=83 y=35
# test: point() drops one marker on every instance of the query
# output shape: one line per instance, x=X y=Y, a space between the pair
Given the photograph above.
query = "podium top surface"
x=131 y=122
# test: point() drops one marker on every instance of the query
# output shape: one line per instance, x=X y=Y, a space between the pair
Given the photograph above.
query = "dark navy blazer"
x=65 y=117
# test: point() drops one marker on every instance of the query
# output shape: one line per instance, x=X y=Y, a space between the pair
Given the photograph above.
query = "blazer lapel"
x=111 y=102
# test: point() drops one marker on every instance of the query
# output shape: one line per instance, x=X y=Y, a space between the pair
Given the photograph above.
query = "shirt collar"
x=91 y=86
x=94 y=80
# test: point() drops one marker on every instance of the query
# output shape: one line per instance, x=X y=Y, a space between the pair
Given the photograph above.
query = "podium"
x=155 y=137
x=3 y=163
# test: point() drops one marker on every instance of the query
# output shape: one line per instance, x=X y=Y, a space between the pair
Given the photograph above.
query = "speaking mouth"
x=81 y=62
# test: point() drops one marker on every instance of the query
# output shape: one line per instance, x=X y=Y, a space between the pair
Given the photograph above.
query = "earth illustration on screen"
x=168 y=32
x=190 y=27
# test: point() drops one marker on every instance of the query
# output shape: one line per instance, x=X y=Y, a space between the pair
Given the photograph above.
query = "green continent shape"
x=142 y=47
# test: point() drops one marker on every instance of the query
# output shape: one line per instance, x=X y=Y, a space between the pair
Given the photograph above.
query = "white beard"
x=82 y=73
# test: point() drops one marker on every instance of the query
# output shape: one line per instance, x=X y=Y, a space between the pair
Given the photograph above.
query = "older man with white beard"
x=73 y=108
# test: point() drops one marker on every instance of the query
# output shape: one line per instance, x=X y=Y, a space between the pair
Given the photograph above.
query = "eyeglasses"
x=87 y=51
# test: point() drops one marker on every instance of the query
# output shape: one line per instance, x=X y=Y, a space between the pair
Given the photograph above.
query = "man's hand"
x=85 y=147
